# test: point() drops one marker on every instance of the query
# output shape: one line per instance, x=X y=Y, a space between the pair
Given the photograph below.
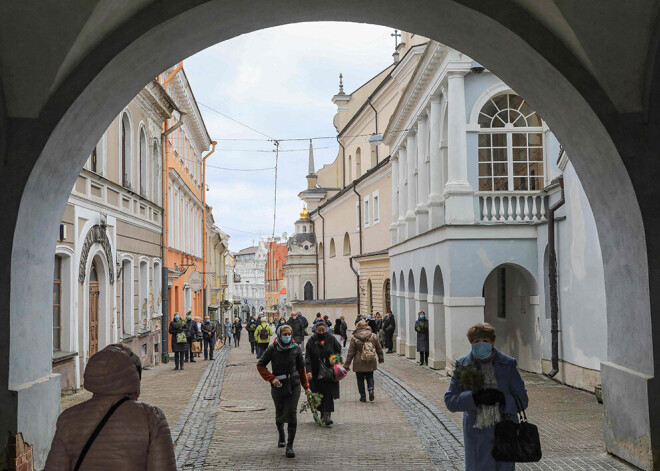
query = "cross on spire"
x=341 y=84
x=396 y=35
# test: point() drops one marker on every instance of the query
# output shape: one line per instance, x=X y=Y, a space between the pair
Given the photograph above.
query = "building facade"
x=473 y=178
x=249 y=277
x=217 y=279
x=301 y=266
x=107 y=282
x=274 y=272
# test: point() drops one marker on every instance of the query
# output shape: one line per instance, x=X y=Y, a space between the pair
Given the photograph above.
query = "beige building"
x=217 y=282
x=350 y=199
x=107 y=282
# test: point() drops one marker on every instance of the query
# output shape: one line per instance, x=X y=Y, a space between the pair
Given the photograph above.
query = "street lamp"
x=375 y=140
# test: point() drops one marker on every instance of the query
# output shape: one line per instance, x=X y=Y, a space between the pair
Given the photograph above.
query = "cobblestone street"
x=221 y=417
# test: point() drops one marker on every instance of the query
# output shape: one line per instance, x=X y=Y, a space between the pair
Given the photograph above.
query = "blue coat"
x=479 y=442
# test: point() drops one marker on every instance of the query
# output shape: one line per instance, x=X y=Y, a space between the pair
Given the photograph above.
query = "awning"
x=214 y=307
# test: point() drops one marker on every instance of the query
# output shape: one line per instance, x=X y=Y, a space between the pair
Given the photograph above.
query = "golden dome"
x=304 y=214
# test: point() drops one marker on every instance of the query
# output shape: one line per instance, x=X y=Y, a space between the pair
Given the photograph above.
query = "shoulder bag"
x=97 y=430
x=519 y=443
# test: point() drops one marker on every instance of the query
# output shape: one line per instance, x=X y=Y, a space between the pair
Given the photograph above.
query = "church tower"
x=300 y=269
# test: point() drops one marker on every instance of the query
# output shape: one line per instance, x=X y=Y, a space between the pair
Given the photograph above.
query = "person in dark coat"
x=319 y=348
x=179 y=348
x=288 y=366
x=208 y=335
x=250 y=327
x=483 y=409
x=191 y=329
x=422 y=329
x=343 y=329
x=298 y=325
x=389 y=326
x=359 y=318
x=236 y=328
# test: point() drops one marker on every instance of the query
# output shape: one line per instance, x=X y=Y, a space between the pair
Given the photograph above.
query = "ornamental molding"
x=95 y=235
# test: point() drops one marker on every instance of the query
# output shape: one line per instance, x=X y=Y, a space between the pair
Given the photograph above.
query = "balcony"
x=512 y=207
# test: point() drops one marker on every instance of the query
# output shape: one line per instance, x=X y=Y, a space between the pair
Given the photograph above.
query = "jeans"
x=178 y=359
x=369 y=376
x=208 y=342
x=237 y=339
x=261 y=348
x=251 y=346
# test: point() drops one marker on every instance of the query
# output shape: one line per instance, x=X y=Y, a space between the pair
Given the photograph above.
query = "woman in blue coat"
x=482 y=409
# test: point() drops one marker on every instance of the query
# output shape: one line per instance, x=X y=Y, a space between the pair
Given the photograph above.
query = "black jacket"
x=389 y=324
x=250 y=327
x=284 y=362
x=315 y=351
x=208 y=330
x=297 y=328
x=358 y=319
x=174 y=329
x=191 y=330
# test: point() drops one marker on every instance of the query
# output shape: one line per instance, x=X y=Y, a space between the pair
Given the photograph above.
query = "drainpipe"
x=172 y=75
x=552 y=279
x=357 y=277
x=376 y=112
x=343 y=164
x=323 y=239
x=204 y=248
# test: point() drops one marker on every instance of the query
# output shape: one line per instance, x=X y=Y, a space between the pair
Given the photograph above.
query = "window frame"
x=375 y=203
x=366 y=213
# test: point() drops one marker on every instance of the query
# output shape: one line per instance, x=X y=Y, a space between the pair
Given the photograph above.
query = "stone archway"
x=522 y=47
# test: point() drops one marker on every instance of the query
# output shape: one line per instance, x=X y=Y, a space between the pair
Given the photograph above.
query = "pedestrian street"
x=221 y=417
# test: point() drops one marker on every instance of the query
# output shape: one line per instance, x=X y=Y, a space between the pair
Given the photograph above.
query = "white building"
x=249 y=279
x=473 y=166
x=301 y=269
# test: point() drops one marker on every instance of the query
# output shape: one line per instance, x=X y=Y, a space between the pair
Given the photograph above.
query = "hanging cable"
x=236 y=121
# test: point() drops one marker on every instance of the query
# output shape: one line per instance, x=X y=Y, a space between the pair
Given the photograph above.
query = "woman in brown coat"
x=365 y=359
x=135 y=438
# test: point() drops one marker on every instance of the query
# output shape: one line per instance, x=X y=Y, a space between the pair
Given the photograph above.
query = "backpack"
x=368 y=351
x=263 y=333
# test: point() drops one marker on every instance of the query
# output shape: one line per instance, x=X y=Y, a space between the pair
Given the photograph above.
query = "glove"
x=488 y=397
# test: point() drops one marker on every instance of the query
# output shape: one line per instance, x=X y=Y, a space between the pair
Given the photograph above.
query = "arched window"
x=57 y=305
x=155 y=172
x=143 y=163
x=308 y=291
x=143 y=289
x=347 y=244
x=320 y=252
x=358 y=163
x=386 y=295
x=350 y=168
x=510 y=145
x=332 y=248
x=126 y=151
x=370 y=298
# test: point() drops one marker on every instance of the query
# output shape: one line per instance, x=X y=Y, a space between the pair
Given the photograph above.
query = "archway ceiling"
x=42 y=43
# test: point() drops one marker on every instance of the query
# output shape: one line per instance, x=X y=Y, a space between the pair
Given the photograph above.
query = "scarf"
x=487 y=416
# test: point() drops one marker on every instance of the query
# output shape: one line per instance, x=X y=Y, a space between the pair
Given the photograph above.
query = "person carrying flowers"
x=286 y=379
x=320 y=371
x=483 y=387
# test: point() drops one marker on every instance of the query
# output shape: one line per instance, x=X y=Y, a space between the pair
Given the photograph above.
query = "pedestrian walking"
x=320 y=347
x=208 y=334
x=250 y=327
x=359 y=318
x=236 y=331
x=287 y=377
x=197 y=340
x=262 y=336
x=190 y=328
x=484 y=408
x=343 y=330
x=136 y=436
x=379 y=327
x=365 y=351
x=226 y=332
x=389 y=326
x=328 y=323
x=179 y=340
x=280 y=323
x=422 y=329
x=298 y=325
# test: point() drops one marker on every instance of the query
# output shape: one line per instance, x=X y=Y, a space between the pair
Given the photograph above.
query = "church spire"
x=341 y=85
x=310 y=170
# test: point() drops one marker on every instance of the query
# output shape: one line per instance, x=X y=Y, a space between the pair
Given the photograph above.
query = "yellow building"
x=217 y=248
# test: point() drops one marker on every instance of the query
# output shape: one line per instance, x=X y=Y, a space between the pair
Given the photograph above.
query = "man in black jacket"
x=250 y=327
x=208 y=334
x=389 y=325
x=298 y=325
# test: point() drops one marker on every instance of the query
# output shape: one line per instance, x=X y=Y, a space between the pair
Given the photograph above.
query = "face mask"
x=207 y=321
x=482 y=350
x=281 y=322
x=422 y=316
x=177 y=317
x=189 y=317
x=293 y=315
x=286 y=338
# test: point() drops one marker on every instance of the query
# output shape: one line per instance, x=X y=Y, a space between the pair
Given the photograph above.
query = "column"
x=401 y=324
x=411 y=316
x=460 y=210
x=411 y=151
x=436 y=200
x=460 y=315
x=403 y=195
x=437 y=345
x=421 y=210
x=395 y=197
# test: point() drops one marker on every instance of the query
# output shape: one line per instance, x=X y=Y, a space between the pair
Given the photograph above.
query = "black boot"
x=281 y=441
x=371 y=395
x=289 y=444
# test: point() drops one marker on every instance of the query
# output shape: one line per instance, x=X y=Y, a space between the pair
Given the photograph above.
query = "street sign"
x=195 y=281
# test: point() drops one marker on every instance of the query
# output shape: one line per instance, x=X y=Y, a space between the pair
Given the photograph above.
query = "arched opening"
x=93 y=312
x=347 y=244
x=143 y=289
x=423 y=292
x=350 y=168
x=126 y=151
x=370 y=298
x=320 y=250
x=511 y=307
x=143 y=164
x=387 y=301
x=358 y=163
x=411 y=317
x=155 y=171
x=332 y=248
x=126 y=277
x=308 y=291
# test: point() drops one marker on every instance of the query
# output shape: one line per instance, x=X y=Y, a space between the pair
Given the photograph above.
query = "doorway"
x=93 y=312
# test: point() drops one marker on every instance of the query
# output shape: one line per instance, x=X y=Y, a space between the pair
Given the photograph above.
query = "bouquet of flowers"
x=469 y=377
x=312 y=402
x=335 y=359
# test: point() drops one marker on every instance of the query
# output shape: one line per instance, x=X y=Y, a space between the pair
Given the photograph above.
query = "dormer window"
x=305 y=230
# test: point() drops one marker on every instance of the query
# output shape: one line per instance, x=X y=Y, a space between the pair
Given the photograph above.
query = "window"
x=510 y=146
x=376 y=206
x=157 y=288
x=347 y=244
x=126 y=151
x=358 y=163
x=370 y=298
x=304 y=228
x=57 y=305
x=187 y=299
x=143 y=290
x=320 y=252
x=366 y=212
x=127 y=296
x=93 y=161
x=350 y=168
x=332 y=247
x=308 y=291
x=143 y=164
x=155 y=185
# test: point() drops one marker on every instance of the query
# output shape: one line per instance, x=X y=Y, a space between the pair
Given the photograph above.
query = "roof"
x=327 y=301
x=248 y=250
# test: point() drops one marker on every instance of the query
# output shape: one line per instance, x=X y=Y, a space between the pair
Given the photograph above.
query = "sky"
x=279 y=82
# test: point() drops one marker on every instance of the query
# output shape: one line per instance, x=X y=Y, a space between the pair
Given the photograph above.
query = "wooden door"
x=93 y=314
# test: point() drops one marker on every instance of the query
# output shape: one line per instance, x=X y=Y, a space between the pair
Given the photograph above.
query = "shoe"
x=371 y=395
x=363 y=398
x=289 y=452
x=176 y=367
x=389 y=351
x=211 y=359
x=281 y=440
x=193 y=361
x=328 y=420
x=205 y=359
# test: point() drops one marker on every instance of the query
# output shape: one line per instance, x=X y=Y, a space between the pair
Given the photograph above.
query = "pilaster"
x=411 y=151
x=437 y=335
x=460 y=315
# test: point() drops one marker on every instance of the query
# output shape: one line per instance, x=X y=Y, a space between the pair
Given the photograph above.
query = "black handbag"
x=326 y=373
x=519 y=443
x=284 y=390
